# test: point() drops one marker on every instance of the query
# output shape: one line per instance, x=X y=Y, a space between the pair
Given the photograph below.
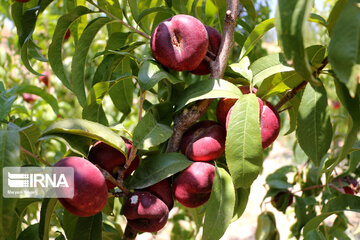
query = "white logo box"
x=38 y=182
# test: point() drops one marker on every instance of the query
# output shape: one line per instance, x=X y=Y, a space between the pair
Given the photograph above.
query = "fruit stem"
x=130 y=233
x=118 y=19
x=111 y=179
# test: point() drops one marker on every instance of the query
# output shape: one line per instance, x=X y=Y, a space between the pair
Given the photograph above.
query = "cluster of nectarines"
x=181 y=43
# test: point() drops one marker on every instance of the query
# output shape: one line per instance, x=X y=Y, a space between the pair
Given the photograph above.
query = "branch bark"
x=190 y=115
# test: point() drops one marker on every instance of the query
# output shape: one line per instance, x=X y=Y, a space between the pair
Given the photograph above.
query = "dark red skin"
x=30 y=98
x=145 y=212
x=45 y=78
x=67 y=35
x=349 y=184
x=225 y=104
x=180 y=43
x=112 y=159
x=163 y=191
x=214 y=45
x=276 y=198
x=204 y=141
x=90 y=190
x=192 y=187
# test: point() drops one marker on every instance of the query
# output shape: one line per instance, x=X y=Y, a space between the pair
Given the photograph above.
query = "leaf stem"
x=35 y=156
x=118 y=19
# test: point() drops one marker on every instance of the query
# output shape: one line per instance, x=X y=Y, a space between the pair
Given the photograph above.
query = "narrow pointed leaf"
x=314 y=130
x=220 y=207
x=47 y=209
x=243 y=149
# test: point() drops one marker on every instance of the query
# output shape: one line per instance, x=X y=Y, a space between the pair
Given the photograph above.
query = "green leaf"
x=266 y=227
x=50 y=99
x=121 y=94
x=210 y=88
x=220 y=207
x=250 y=9
x=268 y=65
x=243 y=149
x=334 y=14
x=317 y=19
x=154 y=10
x=314 y=235
x=221 y=10
x=156 y=168
x=290 y=20
x=28 y=137
x=31 y=232
x=151 y=73
x=55 y=48
x=6 y=103
x=242 y=197
x=314 y=130
x=256 y=35
x=47 y=209
x=149 y=133
x=84 y=129
x=79 y=59
x=344 y=202
x=81 y=228
x=93 y=111
x=9 y=157
x=344 y=46
x=352 y=106
x=279 y=83
x=278 y=179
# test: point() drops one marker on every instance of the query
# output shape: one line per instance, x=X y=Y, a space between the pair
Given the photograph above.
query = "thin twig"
x=111 y=179
x=290 y=94
x=35 y=156
x=118 y=19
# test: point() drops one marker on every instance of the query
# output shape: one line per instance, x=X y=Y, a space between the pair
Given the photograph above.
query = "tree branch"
x=190 y=115
x=292 y=92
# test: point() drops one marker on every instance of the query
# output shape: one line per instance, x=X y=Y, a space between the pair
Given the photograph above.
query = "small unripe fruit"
x=180 y=43
x=214 y=45
x=145 y=212
x=163 y=191
x=192 y=187
x=111 y=159
x=90 y=191
x=282 y=200
x=204 y=141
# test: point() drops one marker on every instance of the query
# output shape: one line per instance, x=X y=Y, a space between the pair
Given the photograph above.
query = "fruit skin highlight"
x=145 y=212
x=204 y=141
x=180 y=43
x=90 y=191
x=192 y=187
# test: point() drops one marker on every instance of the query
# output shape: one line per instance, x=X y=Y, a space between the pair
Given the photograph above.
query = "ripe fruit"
x=214 y=45
x=90 y=191
x=180 y=42
x=282 y=200
x=348 y=184
x=192 y=187
x=145 y=212
x=45 y=78
x=204 y=141
x=111 y=159
x=30 y=98
x=269 y=117
x=163 y=191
